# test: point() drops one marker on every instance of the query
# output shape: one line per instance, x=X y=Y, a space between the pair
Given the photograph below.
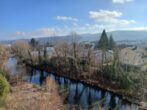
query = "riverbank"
x=95 y=83
x=28 y=96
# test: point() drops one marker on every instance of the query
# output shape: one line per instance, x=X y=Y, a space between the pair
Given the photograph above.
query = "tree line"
x=78 y=60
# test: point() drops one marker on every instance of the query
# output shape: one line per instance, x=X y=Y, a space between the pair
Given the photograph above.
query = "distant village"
x=131 y=53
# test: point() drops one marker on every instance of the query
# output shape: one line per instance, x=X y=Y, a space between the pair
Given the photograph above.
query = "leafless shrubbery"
x=4 y=53
x=73 y=56
x=21 y=50
x=32 y=97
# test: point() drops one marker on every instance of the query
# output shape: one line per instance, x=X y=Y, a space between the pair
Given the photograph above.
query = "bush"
x=4 y=86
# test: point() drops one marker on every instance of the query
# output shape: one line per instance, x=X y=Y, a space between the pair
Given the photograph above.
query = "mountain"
x=117 y=35
x=129 y=35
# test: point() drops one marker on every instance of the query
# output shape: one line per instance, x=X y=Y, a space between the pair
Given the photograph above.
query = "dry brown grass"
x=26 y=96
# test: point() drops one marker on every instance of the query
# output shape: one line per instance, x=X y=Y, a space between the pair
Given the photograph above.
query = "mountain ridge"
x=121 y=35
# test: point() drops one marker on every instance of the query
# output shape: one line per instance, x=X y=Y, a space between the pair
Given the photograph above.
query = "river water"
x=77 y=95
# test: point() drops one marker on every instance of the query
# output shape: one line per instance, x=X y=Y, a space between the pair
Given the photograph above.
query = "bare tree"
x=75 y=49
x=62 y=51
x=89 y=59
x=4 y=52
x=21 y=50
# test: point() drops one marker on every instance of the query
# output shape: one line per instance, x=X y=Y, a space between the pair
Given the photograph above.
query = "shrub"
x=4 y=86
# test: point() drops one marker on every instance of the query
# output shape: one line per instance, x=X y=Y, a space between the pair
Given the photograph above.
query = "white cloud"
x=88 y=28
x=105 y=19
x=56 y=31
x=109 y=17
x=79 y=28
x=66 y=18
x=46 y=32
x=137 y=28
x=20 y=33
x=41 y=32
x=121 y=1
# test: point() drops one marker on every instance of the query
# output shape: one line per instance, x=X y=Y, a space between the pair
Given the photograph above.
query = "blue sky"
x=40 y=18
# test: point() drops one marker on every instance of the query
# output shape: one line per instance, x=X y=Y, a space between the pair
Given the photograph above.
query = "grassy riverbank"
x=26 y=96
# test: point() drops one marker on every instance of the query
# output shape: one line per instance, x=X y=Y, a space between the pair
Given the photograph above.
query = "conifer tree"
x=103 y=45
x=111 y=43
x=103 y=42
x=33 y=42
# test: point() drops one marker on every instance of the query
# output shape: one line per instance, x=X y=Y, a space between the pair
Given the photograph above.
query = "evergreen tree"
x=45 y=53
x=112 y=43
x=103 y=45
x=103 y=42
x=33 y=42
x=39 y=58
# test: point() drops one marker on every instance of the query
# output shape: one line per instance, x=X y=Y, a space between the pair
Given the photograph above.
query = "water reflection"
x=11 y=65
x=80 y=96
x=83 y=96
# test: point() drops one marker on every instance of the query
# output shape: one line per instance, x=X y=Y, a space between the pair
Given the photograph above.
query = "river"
x=77 y=95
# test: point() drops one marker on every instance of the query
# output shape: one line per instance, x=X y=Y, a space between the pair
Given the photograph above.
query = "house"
x=50 y=52
x=87 y=45
x=98 y=54
x=133 y=56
